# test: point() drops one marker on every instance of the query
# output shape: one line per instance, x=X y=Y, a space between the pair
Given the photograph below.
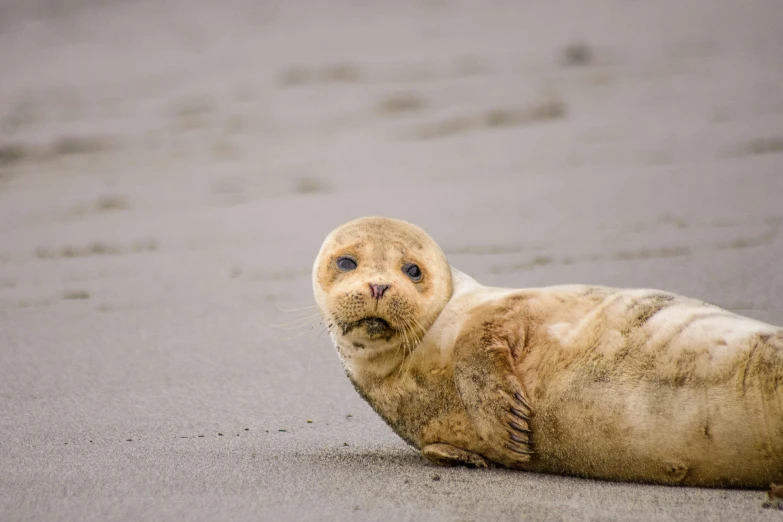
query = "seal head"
x=380 y=284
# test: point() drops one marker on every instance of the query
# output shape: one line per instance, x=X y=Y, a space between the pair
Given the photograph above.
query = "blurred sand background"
x=168 y=170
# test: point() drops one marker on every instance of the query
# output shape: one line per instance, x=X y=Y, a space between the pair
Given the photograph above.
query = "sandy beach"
x=169 y=169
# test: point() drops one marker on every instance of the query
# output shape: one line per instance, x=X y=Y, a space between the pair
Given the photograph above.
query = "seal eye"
x=345 y=263
x=413 y=271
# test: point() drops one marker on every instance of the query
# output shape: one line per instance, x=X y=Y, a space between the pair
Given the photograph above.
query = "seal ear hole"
x=345 y=263
x=413 y=271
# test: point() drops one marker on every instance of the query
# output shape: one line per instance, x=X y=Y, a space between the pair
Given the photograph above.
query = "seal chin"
x=375 y=327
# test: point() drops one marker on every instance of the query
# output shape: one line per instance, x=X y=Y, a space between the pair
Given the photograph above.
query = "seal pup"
x=619 y=384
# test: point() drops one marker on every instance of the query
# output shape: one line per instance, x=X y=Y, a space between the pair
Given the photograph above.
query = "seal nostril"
x=377 y=291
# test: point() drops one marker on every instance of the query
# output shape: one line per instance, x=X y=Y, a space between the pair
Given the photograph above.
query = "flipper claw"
x=518 y=427
x=519 y=413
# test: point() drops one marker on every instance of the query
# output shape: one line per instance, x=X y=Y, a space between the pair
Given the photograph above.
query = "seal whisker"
x=324 y=328
x=405 y=332
x=418 y=325
x=310 y=324
x=401 y=346
x=296 y=335
x=327 y=328
x=302 y=320
x=412 y=325
x=406 y=349
x=301 y=309
x=412 y=329
x=409 y=336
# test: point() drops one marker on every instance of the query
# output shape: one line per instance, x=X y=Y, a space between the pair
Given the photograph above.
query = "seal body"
x=631 y=385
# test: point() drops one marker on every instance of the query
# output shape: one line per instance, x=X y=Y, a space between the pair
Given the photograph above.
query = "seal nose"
x=378 y=290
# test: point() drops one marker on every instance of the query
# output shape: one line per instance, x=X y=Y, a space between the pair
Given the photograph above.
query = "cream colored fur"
x=638 y=385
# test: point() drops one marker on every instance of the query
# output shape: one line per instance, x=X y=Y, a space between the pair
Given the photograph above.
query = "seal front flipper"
x=493 y=397
x=448 y=455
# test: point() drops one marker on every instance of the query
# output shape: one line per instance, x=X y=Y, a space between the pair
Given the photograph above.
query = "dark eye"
x=412 y=271
x=345 y=263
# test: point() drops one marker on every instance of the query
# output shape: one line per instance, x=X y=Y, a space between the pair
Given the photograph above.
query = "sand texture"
x=168 y=170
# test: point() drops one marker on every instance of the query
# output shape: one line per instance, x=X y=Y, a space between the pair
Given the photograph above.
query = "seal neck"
x=366 y=369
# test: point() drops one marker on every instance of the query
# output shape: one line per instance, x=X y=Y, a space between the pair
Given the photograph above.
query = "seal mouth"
x=376 y=327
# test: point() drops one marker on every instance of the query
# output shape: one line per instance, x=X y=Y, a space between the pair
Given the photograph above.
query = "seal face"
x=380 y=283
x=634 y=385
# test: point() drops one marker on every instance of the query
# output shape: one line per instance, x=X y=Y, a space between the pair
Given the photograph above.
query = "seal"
x=619 y=384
